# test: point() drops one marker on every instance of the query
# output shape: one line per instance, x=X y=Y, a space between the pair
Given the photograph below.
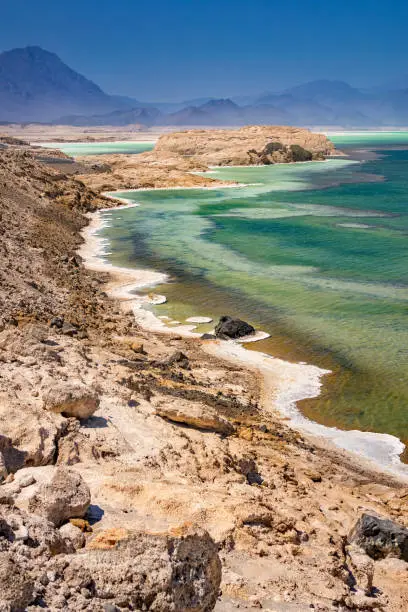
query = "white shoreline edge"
x=285 y=383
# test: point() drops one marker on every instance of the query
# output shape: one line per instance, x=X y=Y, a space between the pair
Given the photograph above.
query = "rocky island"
x=140 y=470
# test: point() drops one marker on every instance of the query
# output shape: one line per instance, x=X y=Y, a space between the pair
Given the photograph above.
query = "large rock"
x=195 y=415
x=16 y=585
x=180 y=571
x=380 y=537
x=72 y=399
x=33 y=434
x=65 y=496
x=229 y=327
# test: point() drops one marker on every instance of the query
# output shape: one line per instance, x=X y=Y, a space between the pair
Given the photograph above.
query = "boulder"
x=180 y=571
x=380 y=537
x=16 y=585
x=229 y=327
x=195 y=415
x=71 y=399
x=66 y=495
x=33 y=434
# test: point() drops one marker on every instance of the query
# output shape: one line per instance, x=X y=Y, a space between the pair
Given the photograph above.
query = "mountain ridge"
x=37 y=86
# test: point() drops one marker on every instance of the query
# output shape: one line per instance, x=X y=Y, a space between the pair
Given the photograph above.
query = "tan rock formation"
x=71 y=398
x=160 y=572
x=232 y=147
x=195 y=415
x=33 y=433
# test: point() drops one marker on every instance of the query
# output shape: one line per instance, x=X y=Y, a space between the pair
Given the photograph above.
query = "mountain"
x=325 y=92
x=35 y=85
x=212 y=112
x=143 y=116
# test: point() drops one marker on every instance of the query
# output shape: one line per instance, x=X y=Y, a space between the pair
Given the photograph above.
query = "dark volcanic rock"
x=380 y=538
x=228 y=327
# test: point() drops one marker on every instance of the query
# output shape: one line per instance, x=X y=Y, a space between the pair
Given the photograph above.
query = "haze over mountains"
x=36 y=86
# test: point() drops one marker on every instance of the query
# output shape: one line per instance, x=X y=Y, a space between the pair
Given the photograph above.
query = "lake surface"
x=75 y=149
x=316 y=254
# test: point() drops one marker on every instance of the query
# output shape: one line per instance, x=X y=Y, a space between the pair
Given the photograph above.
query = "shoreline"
x=284 y=383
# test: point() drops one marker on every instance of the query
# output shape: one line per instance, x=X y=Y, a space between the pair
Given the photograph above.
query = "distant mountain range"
x=36 y=86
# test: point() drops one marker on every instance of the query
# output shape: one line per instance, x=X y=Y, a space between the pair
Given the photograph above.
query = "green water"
x=316 y=254
x=75 y=149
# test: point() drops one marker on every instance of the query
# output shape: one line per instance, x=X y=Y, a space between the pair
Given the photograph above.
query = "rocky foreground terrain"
x=139 y=472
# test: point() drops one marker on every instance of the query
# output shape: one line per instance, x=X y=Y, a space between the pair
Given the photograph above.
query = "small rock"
x=313 y=475
x=82 y=524
x=208 y=337
x=21 y=534
x=180 y=359
x=137 y=347
x=380 y=537
x=68 y=329
x=74 y=534
x=57 y=322
x=26 y=481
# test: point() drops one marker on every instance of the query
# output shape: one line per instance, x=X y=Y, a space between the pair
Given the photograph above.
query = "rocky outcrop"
x=65 y=496
x=180 y=571
x=231 y=328
x=380 y=537
x=166 y=572
x=71 y=399
x=252 y=144
x=195 y=415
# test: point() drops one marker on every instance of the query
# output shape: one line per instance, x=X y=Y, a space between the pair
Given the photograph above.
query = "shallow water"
x=316 y=254
x=75 y=149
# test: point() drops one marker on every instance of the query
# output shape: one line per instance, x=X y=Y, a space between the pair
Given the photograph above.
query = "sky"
x=169 y=50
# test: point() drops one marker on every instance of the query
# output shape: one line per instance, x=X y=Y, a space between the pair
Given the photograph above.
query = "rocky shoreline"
x=138 y=467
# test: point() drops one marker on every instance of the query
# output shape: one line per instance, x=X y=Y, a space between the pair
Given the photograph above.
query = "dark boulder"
x=228 y=327
x=380 y=537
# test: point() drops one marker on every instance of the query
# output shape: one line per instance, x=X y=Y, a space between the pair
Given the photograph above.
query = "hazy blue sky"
x=169 y=50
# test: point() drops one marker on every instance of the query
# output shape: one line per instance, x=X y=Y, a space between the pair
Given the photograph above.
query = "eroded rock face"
x=229 y=327
x=380 y=537
x=65 y=496
x=72 y=399
x=163 y=573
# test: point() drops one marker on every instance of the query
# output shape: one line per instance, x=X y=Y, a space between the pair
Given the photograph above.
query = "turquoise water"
x=75 y=149
x=316 y=254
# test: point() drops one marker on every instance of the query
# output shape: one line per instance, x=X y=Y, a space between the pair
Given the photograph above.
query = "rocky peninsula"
x=177 y=156
x=141 y=471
